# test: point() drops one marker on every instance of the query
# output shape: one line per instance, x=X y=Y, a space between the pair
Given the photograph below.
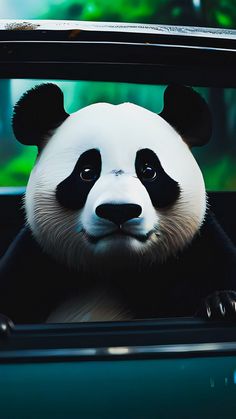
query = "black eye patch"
x=162 y=189
x=72 y=192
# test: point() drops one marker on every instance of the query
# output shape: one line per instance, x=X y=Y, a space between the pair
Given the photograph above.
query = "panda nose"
x=118 y=213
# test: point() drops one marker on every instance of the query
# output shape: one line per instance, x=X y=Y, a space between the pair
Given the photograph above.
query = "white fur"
x=118 y=132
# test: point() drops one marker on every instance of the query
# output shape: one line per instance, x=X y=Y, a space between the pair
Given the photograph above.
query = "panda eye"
x=88 y=174
x=148 y=172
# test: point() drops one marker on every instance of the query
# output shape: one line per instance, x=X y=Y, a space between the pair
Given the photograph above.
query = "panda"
x=118 y=226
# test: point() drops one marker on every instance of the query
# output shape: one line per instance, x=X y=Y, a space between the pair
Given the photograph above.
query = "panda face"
x=115 y=184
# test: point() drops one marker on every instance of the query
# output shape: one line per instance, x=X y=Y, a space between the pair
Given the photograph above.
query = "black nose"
x=118 y=213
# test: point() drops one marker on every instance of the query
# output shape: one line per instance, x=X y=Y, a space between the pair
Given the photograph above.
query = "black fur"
x=38 y=112
x=32 y=284
x=72 y=192
x=163 y=190
x=188 y=113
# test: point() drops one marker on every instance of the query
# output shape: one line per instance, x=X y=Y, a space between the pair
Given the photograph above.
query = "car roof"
x=122 y=52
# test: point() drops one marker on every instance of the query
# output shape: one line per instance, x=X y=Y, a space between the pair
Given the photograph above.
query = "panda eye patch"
x=72 y=192
x=162 y=189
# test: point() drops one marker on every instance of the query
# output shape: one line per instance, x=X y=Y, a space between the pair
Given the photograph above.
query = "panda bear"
x=117 y=221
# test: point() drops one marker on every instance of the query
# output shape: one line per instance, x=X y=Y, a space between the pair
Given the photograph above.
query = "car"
x=149 y=368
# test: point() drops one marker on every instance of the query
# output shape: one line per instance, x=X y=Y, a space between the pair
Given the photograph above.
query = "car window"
x=117 y=64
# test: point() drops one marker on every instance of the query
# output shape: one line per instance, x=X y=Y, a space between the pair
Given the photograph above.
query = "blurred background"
x=217 y=160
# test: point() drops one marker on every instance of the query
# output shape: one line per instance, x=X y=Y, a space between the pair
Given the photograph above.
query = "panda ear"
x=38 y=111
x=188 y=113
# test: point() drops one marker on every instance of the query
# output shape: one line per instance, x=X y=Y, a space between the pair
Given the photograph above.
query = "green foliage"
x=16 y=171
x=95 y=10
x=220 y=13
x=223 y=19
x=80 y=94
x=220 y=175
x=216 y=13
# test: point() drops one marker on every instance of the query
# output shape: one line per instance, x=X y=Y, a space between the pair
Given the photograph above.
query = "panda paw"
x=221 y=305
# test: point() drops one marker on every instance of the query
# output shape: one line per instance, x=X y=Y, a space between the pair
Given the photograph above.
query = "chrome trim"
x=159 y=29
x=119 y=351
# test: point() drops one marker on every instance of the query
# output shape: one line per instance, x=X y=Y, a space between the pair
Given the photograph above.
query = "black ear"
x=38 y=111
x=188 y=113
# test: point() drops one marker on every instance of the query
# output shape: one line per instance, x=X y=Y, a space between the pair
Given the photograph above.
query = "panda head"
x=113 y=185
